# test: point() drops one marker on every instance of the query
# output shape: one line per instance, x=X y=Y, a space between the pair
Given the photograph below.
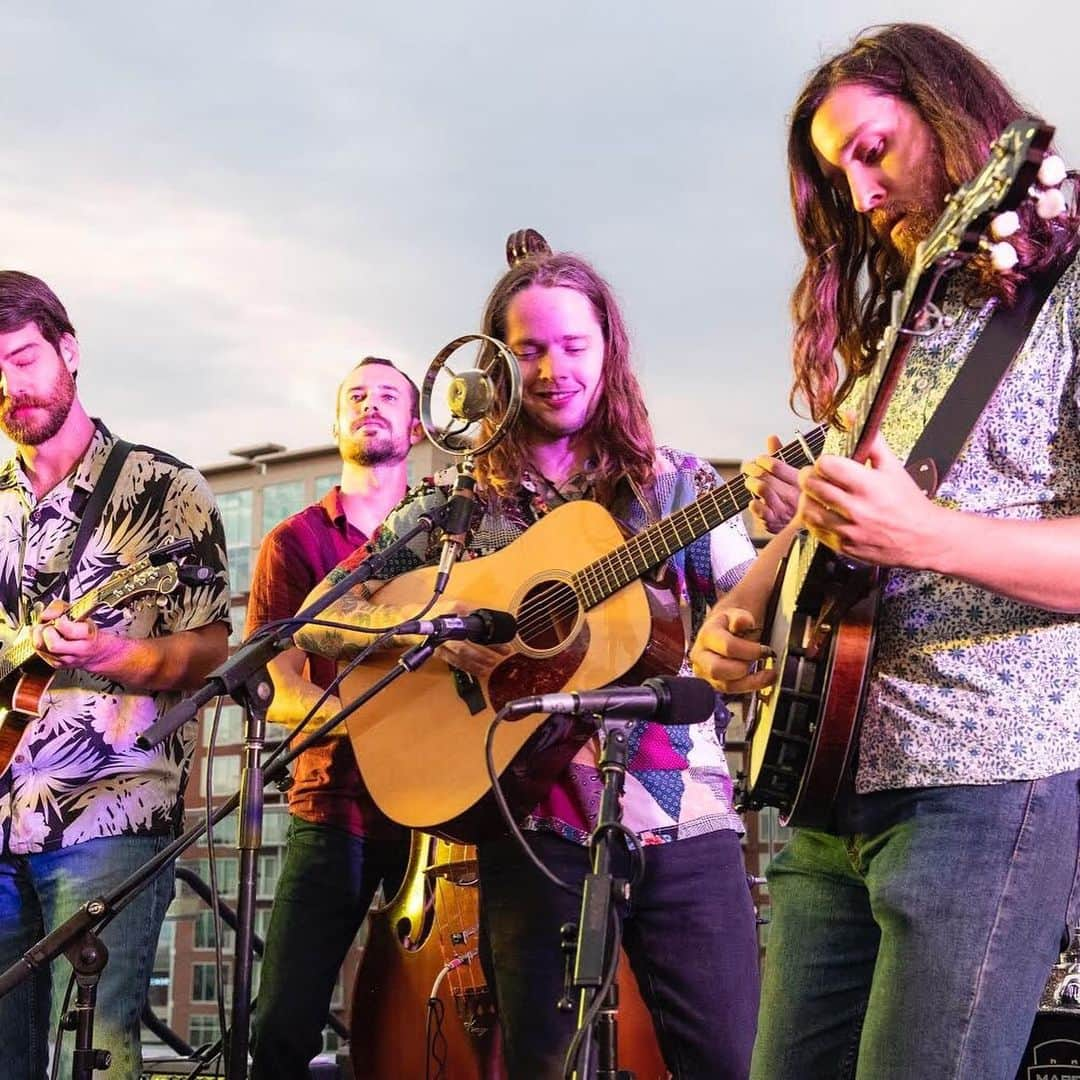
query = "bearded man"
x=80 y=807
x=340 y=846
x=913 y=936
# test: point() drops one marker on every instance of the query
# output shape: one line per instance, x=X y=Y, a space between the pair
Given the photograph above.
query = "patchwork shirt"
x=677 y=782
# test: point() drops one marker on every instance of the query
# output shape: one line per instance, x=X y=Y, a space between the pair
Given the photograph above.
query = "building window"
x=204 y=932
x=230 y=730
x=235 y=507
x=228 y=873
x=203 y=1030
x=269 y=872
x=275 y=826
x=281 y=501
x=262 y=921
x=203 y=982
x=226 y=775
x=158 y=995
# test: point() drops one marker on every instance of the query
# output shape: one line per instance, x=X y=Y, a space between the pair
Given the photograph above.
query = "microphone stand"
x=243 y=677
x=76 y=935
x=594 y=943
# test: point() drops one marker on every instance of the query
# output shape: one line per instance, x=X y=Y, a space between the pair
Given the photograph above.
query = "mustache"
x=24 y=401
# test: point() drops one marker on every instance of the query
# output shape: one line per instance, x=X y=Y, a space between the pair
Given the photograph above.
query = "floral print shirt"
x=77 y=775
x=969 y=687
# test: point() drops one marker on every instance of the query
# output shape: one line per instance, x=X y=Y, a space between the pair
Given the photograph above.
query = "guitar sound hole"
x=547 y=615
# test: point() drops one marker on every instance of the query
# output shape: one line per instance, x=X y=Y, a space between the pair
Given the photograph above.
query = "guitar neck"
x=657 y=543
x=21 y=648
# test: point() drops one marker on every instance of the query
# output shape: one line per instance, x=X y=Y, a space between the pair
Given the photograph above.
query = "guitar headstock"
x=978 y=216
x=144 y=576
x=156 y=572
x=1018 y=168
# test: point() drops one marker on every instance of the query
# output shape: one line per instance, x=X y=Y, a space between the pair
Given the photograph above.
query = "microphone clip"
x=457 y=523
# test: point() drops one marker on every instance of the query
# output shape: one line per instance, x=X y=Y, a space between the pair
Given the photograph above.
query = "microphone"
x=470 y=395
x=483 y=627
x=664 y=700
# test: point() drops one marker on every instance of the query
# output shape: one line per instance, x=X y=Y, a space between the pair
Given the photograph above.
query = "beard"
x=378 y=450
x=901 y=233
x=31 y=430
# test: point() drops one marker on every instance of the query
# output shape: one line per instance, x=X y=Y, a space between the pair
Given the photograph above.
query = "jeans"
x=40 y=891
x=915 y=944
x=326 y=886
x=689 y=932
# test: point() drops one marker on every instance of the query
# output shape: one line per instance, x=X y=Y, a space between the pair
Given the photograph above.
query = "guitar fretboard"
x=653 y=545
x=139 y=577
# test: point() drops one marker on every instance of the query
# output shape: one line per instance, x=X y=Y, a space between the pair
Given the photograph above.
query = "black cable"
x=208 y=808
x=508 y=817
x=435 y=1044
x=573 y=1051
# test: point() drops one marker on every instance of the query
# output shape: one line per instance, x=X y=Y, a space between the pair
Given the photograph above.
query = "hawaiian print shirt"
x=76 y=774
x=969 y=687
x=677 y=783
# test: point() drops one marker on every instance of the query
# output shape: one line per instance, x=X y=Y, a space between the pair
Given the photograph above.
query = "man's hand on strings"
x=774 y=485
x=875 y=512
x=63 y=642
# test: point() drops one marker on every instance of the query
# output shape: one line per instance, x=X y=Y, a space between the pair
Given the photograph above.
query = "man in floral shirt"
x=80 y=807
x=913 y=937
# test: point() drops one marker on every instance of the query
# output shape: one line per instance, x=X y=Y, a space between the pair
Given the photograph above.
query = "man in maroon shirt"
x=340 y=846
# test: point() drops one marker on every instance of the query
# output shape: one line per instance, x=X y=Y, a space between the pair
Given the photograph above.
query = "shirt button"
x=19 y=759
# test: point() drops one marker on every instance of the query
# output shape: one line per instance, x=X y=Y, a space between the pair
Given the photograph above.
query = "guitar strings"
x=600 y=579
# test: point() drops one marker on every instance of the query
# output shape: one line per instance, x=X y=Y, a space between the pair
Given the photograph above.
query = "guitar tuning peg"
x=1003 y=256
x=1051 y=171
x=1005 y=224
x=1050 y=204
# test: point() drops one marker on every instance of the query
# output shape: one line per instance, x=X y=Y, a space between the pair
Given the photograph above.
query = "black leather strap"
x=95 y=504
x=955 y=418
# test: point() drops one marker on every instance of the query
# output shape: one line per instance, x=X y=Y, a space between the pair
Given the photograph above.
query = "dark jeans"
x=916 y=945
x=689 y=933
x=327 y=882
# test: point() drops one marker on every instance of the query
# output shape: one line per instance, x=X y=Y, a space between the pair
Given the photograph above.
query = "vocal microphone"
x=482 y=627
x=663 y=700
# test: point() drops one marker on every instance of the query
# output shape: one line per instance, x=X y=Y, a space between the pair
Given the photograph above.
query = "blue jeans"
x=689 y=932
x=914 y=944
x=327 y=882
x=40 y=891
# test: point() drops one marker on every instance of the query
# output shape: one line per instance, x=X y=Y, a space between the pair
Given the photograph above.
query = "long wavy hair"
x=839 y=304
x=619 y=431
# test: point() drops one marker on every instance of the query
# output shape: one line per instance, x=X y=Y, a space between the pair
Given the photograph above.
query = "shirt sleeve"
x=282 y=577
x=190 y=513
x=730 y=549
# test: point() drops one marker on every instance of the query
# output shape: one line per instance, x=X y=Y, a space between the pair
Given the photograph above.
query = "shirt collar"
x=83 y=475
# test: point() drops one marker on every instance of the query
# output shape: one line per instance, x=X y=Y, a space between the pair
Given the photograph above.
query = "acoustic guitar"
x=585 y=618
x=821 y=616
x=25 y=678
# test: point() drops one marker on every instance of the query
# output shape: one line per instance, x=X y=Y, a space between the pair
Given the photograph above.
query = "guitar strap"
x=970 y=391
x=91 y=515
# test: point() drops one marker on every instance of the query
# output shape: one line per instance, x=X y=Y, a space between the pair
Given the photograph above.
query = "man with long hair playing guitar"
x=912 y=936
x=690 y=934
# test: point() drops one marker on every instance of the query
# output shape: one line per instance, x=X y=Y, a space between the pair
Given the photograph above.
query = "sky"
x=238 y=201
